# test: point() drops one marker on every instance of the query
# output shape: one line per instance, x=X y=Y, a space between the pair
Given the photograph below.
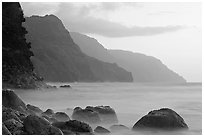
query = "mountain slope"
x=92 y=47
x=58 y=58
x=144 y=68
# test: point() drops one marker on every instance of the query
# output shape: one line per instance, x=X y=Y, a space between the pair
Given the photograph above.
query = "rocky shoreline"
x=19 y=118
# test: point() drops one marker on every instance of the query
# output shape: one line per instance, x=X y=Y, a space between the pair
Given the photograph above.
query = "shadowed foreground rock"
x=73 y=127
x=35 y=125
x=11 y=100
x=165 y=119
x=101 y=130
x=34 y=109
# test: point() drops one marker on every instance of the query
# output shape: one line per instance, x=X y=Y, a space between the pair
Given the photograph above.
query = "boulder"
x=50 y=119
x=48 y=112
x=65 y=86
x=165 y=119
x=11 y=100
x=86 y=115
x=106 y=113
x=35 y=125
x=61 y=116
x=101 y=130
x=13 y=125
x=34 y=109
x=74 y=126
x=5 y=131
x=8 y=113
x=118 y=128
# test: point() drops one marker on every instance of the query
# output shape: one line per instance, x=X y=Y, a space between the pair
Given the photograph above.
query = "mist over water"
x=131 y=101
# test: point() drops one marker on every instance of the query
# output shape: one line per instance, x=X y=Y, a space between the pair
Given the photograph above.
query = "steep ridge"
x=143 y=68
x=58 y=58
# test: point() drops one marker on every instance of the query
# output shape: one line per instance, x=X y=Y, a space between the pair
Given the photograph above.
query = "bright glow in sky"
x=170 y=32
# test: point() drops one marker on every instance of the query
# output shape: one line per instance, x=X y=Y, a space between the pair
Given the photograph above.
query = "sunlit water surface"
x=131 y=101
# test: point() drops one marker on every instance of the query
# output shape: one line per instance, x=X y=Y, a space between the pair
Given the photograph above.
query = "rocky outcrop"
x=17 y=68
x=5 y=131
x=101 y=130
x=58 y=58
x=73 y=127
x=106 y=113
x=48 y=112
x=35 y=125
x=61 y=116
x=164 y=118
x=65 y=86
x=34 y=109
x=13 y=126
x=11 y=100
x=118 y=128
x=86 y=115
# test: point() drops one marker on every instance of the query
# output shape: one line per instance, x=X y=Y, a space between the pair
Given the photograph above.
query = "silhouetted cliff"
x=17 y=69
x=144 y=68
x=58 y=58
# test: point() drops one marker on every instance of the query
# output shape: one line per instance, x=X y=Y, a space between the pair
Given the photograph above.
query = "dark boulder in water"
x=61 y=116
x=13 y=125
x=106 y=113
x=65 y=86
x=101 y=130
x=73 y=126
x=48 y=112
x=165 y=119
x=35 y=125
x=34 y=109
x=86 y=115
x=11 y=100
x=118 y=128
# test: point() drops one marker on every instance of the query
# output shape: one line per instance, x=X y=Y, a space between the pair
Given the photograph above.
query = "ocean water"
x=131 y=101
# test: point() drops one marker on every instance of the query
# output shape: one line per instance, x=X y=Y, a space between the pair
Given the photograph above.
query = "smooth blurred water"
x=131 y=101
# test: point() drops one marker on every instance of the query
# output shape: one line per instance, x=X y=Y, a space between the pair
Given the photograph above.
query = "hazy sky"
x=168 y=31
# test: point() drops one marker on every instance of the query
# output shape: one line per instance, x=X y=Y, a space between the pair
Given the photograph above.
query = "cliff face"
x=17 y=68
x=58 y=58
x=143 y=68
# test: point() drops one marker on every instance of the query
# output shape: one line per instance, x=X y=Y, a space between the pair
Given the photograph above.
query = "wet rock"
x=74 y=126
x=65 y=86
x=11 y=100
x=13 y=125
x=5 y=131
x=101 y=130
x=164 y=118
x=86 y=115
x=106 y=113
x=48 y=112
x=61 y=116
x=34 y=109
x=35 y=125
x=50 y=119
x=8 y=113
x=118 y=128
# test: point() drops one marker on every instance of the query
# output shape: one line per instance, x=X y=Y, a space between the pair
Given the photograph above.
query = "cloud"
x=78 y=17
